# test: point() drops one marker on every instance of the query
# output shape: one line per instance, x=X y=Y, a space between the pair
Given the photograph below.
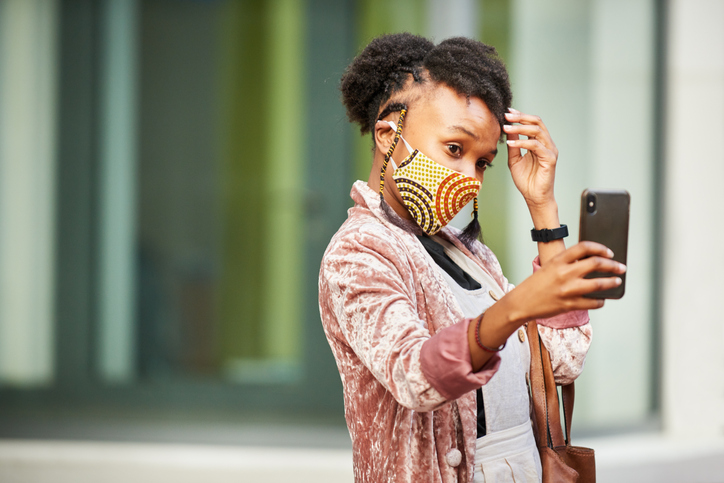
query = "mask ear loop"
x=388 y=156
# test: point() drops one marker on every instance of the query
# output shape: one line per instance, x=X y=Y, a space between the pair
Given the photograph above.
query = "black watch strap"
x=545 y=235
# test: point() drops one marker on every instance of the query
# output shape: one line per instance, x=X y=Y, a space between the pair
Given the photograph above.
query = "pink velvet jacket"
x=400 y=342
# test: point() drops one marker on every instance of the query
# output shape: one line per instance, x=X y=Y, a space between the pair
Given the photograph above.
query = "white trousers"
x=508 y=456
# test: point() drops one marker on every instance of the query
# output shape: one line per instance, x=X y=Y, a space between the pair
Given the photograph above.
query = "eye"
x=484 y=164
x=454 y=150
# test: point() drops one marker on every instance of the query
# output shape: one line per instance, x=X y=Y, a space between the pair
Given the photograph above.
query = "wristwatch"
x=545 y=235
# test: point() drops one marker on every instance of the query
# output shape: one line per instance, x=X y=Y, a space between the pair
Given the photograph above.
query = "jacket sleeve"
x=567 y=348
x=369 y=288
x=567 y=337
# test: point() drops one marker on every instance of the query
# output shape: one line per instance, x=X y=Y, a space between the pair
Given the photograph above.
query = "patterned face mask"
x=432 y=193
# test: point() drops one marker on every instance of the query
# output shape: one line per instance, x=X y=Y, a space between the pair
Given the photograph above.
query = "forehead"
x=442 y=108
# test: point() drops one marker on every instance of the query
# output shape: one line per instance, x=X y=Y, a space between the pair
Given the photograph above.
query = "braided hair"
x=393 y=63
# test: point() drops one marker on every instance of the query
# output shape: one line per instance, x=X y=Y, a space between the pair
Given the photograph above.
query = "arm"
x=556 y=288
x=534 y=174
x=369 y=288
x=559 y=286
x=567 y=337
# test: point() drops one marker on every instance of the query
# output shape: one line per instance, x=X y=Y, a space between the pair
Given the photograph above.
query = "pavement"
x=639 y=458
x=653 y=457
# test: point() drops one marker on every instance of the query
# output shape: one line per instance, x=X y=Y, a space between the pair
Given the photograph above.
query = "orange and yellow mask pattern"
x=432 y=193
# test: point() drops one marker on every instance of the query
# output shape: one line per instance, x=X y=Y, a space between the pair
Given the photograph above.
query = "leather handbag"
x=561 y=461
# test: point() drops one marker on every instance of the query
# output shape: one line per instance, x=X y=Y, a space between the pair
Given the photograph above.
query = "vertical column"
x=587 y=69
x=27 y=189
x=117 y=216
x=76 y=184
x=550 y=51
x=285 y=180
x=244 y=120
x=495 y=29
x=263 y=176
x=693 y=359
x=452 y=18
x=620 y=156
x=329 y=43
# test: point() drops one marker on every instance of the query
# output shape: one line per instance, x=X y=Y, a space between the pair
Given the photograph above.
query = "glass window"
x=221 y=172
x=171 y=176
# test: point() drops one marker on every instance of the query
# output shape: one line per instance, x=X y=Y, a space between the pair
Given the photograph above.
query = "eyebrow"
x=458 y=128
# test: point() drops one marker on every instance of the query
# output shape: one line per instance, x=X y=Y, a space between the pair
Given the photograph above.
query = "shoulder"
x=363 y=238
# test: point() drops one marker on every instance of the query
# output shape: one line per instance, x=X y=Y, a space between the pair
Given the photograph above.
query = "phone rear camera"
x=591 y=203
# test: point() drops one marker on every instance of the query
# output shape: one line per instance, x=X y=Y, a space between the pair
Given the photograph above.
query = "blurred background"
x=171 y=172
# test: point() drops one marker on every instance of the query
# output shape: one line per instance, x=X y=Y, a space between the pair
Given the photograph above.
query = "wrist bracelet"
x=545 y=235
x=480 y=344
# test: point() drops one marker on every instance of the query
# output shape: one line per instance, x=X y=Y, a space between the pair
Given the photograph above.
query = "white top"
x=507 y=403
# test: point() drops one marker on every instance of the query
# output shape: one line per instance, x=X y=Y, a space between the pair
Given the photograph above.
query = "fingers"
x=588 y=304
x=531 y=144
x=581 y=260
x=583 y=250
x=513 y=150
x=532 y=131
x=588 y=285
x=599 y=264
x=522 y=118
x=530 y=126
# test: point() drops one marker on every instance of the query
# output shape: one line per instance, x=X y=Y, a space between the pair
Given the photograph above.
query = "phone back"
x=605 y=219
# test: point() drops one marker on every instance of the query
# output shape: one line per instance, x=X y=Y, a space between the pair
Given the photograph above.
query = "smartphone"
x=604 y=219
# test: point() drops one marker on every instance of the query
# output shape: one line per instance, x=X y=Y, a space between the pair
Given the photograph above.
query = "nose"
x=468 y=169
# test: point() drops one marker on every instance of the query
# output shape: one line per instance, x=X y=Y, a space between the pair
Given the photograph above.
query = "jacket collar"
x=365 y=196
x=368 y=198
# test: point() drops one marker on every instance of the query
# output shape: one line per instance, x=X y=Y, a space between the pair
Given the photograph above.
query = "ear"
x=384 y=136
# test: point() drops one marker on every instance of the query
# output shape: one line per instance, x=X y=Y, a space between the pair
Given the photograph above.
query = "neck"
x=392 y=196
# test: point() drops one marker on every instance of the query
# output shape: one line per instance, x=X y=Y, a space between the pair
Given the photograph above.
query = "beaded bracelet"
x=480 y=344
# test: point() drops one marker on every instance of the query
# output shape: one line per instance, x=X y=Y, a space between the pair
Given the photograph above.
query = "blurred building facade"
x=171 y=172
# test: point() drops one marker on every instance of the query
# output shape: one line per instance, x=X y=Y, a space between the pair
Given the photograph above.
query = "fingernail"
x=507 y=127
x=619 y=281
x=622 y=267
x=513 y=110
x=510 y=142
x=610 y=253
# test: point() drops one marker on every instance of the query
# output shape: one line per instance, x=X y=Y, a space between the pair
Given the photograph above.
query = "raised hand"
x=534 y=172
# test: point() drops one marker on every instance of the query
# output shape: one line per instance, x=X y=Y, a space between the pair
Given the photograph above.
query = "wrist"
x=507 y=311
x=544 y=216
x=547 y=235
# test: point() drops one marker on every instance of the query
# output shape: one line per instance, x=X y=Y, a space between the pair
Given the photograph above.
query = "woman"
x=422 y=323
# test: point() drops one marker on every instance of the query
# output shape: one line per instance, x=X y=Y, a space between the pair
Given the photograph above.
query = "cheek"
x=470 y=169
x=480 y=174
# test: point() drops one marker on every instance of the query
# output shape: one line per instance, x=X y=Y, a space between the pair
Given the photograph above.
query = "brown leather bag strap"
x=554 y=413
x=544 y=392
x=537 y=387
x=569 y=396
